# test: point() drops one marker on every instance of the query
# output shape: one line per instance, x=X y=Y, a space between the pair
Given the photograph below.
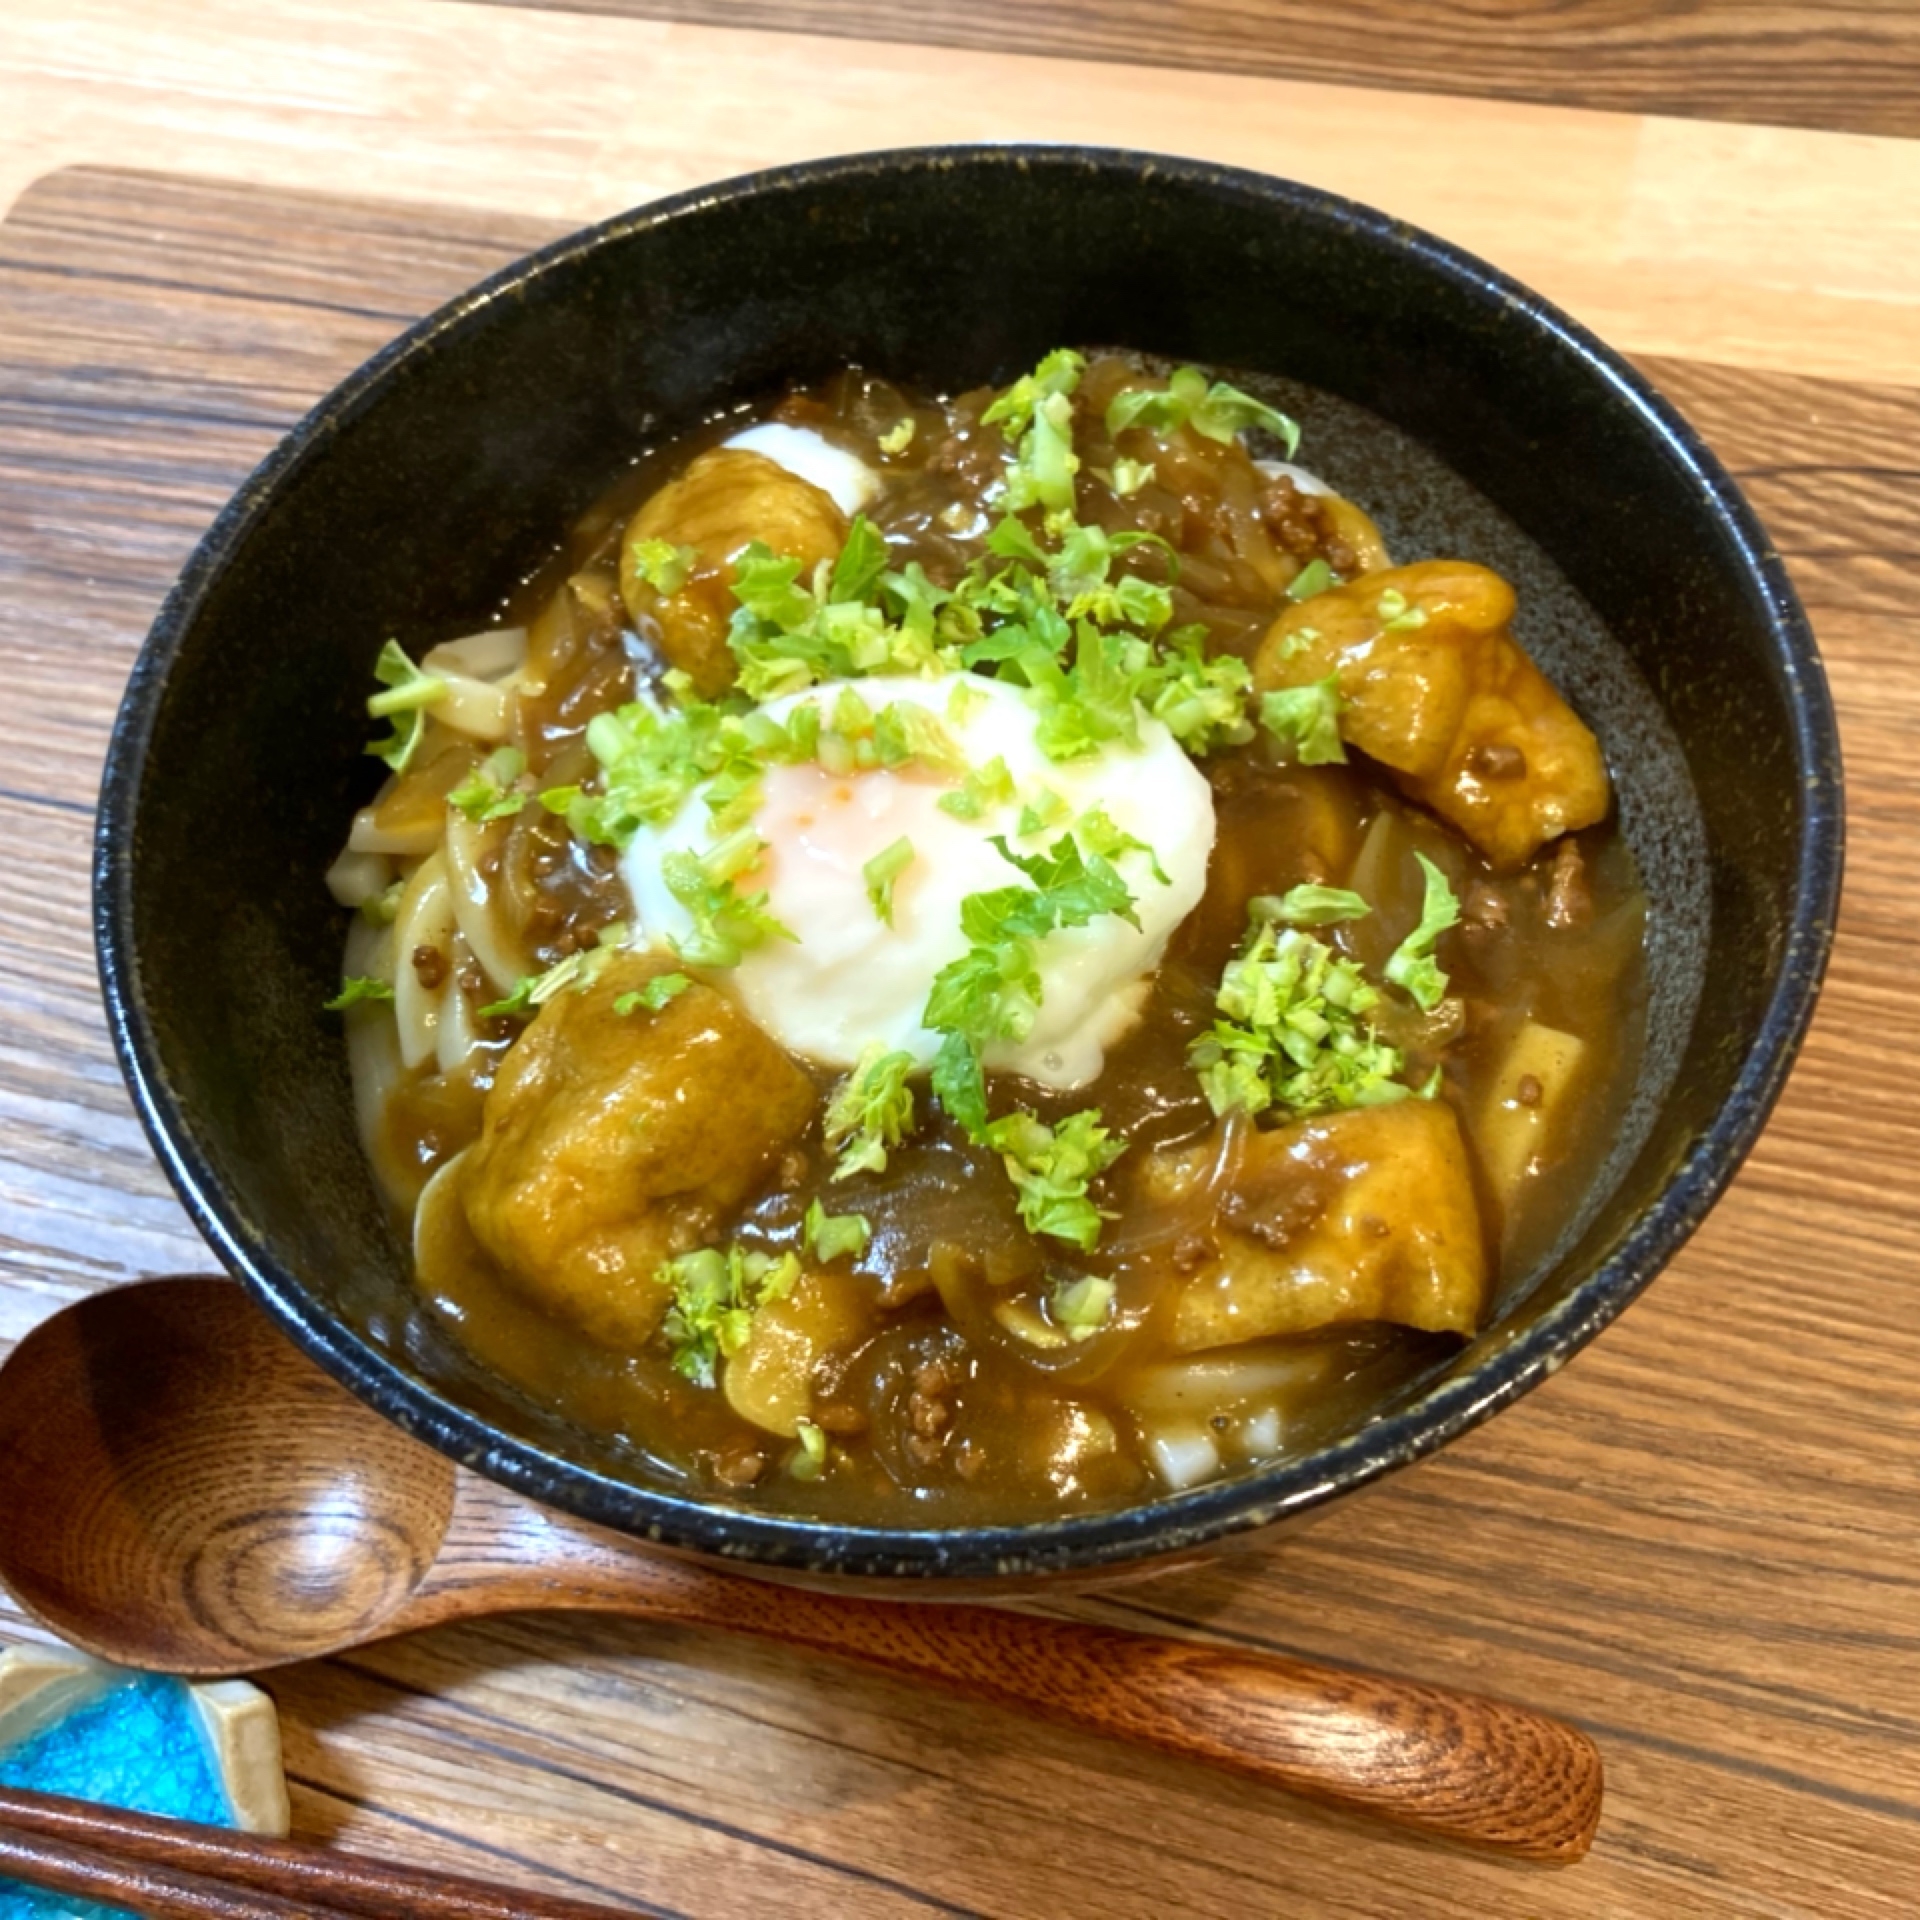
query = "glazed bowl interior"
x=415 y=497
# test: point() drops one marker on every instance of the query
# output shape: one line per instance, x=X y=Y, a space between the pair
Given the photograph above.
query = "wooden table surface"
x=1700 y=1540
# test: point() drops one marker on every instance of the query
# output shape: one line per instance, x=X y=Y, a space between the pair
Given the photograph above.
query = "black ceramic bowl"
x=1466 y=410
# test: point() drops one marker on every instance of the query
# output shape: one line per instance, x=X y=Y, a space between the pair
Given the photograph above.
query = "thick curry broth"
x=939 y=1401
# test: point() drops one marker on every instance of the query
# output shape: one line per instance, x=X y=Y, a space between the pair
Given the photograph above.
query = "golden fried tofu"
x=1437 y=690
x=726 y=499
x=1367 y=1214
x=611 y=1141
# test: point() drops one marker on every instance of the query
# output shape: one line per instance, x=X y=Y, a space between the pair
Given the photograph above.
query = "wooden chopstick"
x=174 y=1870
x=153 y=1892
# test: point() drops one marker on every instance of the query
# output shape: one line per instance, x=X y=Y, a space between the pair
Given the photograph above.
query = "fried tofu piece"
x=728 y=498
x=1367 y=1214
x=612 y=1141
x=1437 y=690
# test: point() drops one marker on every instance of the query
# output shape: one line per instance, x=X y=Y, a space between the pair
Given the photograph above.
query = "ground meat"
x=840 y=1418
x=1290 y=518
x=738 y=1466
x=1497 y=761
x=1337 y=554
x=1485 y=907
x=1277 y=1217
x=1192 y=1252
x=929 y=1412
x=1529 y=1091
x=429 y=966
x=1569 y=898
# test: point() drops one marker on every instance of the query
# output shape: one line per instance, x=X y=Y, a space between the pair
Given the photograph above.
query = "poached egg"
x=850 y=978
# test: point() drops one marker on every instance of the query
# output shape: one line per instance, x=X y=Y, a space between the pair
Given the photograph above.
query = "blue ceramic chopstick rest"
x=200 y=1751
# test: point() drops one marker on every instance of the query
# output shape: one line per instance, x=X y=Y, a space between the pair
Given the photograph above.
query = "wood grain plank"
x=1816 y=63
x=1698 y=1540
x=1746 y=245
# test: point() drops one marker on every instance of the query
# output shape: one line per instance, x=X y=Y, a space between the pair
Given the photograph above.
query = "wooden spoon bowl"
x=181 y=1489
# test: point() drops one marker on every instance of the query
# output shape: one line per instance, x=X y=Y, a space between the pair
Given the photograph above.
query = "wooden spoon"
x=180 y=1489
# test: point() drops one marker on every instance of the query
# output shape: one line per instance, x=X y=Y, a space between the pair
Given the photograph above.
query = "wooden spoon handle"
x=1473 y=1770
x=1476 y=1771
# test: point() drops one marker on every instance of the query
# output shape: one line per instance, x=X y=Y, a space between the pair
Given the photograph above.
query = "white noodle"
x=1183 y=1456
x=373 y=1049
x=357 y=877
x=425 y=919
x=473 y=907
x=368 y=836
x=455 y=1037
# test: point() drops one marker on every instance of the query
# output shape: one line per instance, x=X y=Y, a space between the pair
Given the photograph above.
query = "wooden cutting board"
x=1700 y=1541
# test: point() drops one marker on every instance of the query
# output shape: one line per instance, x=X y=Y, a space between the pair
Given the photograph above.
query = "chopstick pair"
x=174 y=1870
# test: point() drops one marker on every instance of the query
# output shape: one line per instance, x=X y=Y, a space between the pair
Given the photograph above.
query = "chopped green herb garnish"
x=959 y=1084
x=1046 y=809
x=383 y=908
x=1096 y=831
x=657 y=993
x=863 y=559
x=1200 y=699
x=1081 y=1307
x=871 y=1112
x=1215 y=409
x=882 y=871
x=1295 y=1032
x=715 y=1296
x=1412 y=966
x=830 y=1235
x=1315 y=577
x=357 y=991
x=662 y=565
x=1051 y=1168
x=1309 y=905
x=578 y=970
x=810 y=1459
x=1036 y=415
x=855 y=619
x=410 y=691
x=1307 y=719
x=992 y=992
x=726 y=923
x=488 y=792
x=1127 y=477
x=984 y=787
x=1399 y=614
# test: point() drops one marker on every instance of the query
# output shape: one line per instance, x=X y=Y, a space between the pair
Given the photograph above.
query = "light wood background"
x=1700 y=1541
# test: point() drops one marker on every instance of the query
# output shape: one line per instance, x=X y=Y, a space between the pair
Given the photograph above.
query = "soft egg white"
x=849 y=979
x=810 y=456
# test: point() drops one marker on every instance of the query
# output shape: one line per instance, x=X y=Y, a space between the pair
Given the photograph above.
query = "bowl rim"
x=1156 y=1529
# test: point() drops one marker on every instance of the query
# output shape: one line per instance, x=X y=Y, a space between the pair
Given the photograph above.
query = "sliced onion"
x=481 y=923
x=480 y=656
x=476 y=708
